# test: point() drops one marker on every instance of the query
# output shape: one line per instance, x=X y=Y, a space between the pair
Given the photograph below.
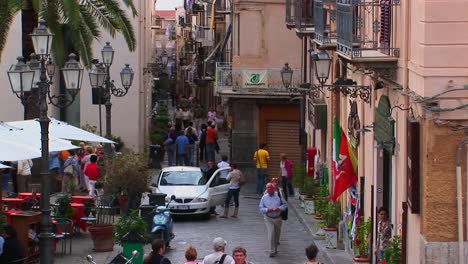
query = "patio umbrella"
x=19 y=144
x=3 y=166
x=60 y=129
x=11 y=151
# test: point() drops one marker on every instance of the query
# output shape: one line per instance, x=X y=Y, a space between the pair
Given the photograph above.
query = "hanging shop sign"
x=384 y=125
x=255 y=78
x=414 y=187
x=354 y=124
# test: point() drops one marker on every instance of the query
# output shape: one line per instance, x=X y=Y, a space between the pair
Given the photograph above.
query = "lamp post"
x=99 y=77
x=22 y=78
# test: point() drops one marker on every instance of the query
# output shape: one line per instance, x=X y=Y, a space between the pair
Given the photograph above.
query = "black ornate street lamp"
x=99 y=77
x=22 y=78
x=322 y=62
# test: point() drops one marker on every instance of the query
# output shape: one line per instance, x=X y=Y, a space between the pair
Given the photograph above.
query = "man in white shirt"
x=219 y=245
x=223 y=164
x=24 y=175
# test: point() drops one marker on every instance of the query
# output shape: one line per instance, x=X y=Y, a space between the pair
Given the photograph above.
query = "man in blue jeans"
x=233 y=177
x=261 y=156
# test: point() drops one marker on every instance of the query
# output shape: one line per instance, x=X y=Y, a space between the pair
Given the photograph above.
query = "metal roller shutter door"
x=282 y=137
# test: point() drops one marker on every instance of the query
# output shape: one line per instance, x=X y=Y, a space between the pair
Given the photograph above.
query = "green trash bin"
x=133 y=241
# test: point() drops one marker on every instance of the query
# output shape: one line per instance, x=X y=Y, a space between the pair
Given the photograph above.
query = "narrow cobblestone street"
x=248 y=231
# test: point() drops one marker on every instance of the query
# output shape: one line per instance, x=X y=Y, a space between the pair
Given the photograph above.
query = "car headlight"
x=199 y=200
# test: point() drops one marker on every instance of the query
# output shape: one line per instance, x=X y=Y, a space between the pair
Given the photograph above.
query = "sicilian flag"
x=343 y=170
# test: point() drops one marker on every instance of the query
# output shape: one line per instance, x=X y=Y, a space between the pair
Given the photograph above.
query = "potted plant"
x=132 y=222
x=102 y=232
x=128 y=174
x=362 y=241
x=331 y=218
x=298 y=178
x=63 y=209
x=311 y=189
x=392 y=255
x=321 y=201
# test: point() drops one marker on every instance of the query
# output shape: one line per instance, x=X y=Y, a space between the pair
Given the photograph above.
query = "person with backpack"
x=156 y=256
x=218 y=257
x=234 y=178
x=71 y=170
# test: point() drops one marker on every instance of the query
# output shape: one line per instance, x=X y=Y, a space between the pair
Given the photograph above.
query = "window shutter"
x=385 y=24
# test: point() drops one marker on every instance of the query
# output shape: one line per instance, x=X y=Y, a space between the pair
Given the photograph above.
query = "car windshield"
x=182 y=178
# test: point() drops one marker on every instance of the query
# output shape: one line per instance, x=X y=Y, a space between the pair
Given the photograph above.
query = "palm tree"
x=84 y=18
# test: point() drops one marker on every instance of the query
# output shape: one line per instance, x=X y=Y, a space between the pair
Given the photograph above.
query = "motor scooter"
x=118 y=259
x=163 y=224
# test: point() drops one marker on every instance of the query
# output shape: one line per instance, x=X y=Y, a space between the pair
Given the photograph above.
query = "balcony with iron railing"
x=304 y=16
x=300 y=15
x=325 y=23
x=223 y=7
x=364 y=30
x=290 y=22
x=251 y=83
x=203 y=35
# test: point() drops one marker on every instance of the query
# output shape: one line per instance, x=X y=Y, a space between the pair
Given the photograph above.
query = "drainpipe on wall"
x=460 y=203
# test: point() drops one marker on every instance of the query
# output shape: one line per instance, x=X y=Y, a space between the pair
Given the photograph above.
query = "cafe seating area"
x=22 y=211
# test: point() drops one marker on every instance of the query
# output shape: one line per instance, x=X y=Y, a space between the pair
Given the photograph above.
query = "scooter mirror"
x=173 y=197
x=135 y=253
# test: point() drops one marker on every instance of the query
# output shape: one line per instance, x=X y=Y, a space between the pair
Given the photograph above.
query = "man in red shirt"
x=93 y=173
x=211 y=139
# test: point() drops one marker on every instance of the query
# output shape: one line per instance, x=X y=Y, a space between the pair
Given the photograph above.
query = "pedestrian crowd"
x=70 y=170
x=219 y=256
x=189 y=139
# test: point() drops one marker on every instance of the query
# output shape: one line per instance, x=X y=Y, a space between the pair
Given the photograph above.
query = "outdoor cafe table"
x=25 y=195
x=79 y=213
x=81 y=198
x=13 y=202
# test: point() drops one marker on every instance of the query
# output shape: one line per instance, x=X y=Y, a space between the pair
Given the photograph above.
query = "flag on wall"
x=343 y=170
x=213 y=11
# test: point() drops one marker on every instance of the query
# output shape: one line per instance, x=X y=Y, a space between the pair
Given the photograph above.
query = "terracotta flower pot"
x=361 y=260
x=103 y=237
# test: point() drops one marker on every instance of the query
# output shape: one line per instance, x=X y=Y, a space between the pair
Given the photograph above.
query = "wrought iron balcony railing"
x=253 y=82
x=204 y=35
x=364 y=29
x=325 y=22
x=223 y=7
x=290 y=22
x=304 y=15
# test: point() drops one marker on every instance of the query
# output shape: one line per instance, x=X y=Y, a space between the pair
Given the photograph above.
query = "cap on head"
x=219 y=243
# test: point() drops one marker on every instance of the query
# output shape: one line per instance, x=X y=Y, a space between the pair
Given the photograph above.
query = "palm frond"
x=90 y=23
x=131 y=5
x=100 y=14
x=8 y=10
x=71 y=13
x=124 y=24
x=82 y=42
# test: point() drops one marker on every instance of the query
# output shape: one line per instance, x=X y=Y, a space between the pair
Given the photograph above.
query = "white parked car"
x=194 y=194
